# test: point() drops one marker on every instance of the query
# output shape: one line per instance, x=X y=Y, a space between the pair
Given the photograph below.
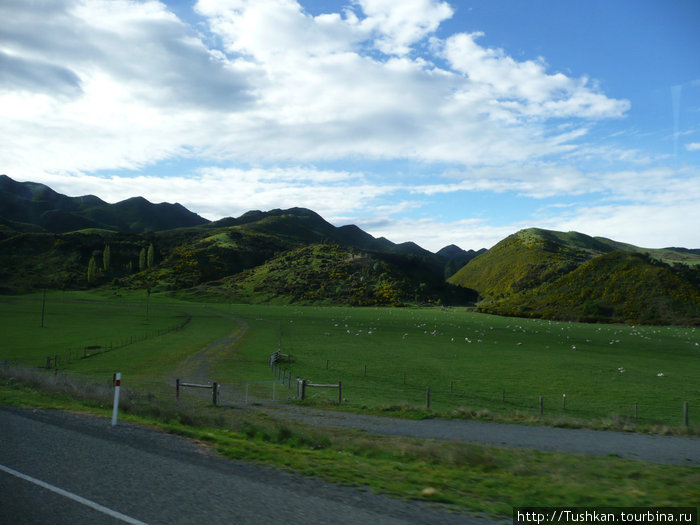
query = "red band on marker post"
x=117 y=382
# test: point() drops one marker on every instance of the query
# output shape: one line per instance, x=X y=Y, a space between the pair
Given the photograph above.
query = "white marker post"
x=117 y=383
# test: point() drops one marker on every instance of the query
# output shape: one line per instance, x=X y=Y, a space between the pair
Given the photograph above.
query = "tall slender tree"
x=142 y=259
x=92 y=270
x=151 y=256
x=105 y=258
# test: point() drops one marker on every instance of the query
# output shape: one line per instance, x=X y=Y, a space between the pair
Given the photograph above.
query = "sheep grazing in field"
x=660 y=374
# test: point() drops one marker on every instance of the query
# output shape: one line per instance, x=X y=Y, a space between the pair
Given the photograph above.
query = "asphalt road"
x=63 y=468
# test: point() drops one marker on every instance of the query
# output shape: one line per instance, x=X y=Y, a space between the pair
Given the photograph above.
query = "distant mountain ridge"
x=49 y=240
x=34 y=207
x=457 y=258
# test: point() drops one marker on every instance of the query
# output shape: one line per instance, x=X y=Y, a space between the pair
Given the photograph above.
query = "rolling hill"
x=331 y=274
x=557 y=275
x=49 y=240
x=187 y=251
x=618 y=286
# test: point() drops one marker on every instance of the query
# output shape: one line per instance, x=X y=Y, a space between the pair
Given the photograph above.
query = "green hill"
x=331 y=274
x=525 y=260
x=556 y=275
x=49 y=240
x=615 y=287
x=191 y=256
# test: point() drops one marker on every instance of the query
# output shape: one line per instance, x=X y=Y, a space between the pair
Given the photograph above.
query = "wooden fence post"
x=427 y=397
x=685 y=413
x=215 y=393
x=43 y=307
x=303 y=389
x=563 y=401
x=541 y=405
x=365 y=370
x=340 y=392
x=177 y=389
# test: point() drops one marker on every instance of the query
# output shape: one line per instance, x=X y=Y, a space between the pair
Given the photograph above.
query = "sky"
x=429 y=121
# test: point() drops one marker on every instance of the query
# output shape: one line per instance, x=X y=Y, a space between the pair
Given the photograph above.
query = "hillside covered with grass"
x=51 y=241
x=331 y=274
x=615 y=287
x=291 y=255
x=556 y=275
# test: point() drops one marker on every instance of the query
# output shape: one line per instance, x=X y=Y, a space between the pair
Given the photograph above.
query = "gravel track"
x=671 y=450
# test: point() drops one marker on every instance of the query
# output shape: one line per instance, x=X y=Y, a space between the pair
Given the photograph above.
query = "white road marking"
x=74 y=497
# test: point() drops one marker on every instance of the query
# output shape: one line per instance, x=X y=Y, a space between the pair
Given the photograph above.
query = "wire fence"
x=454 y=397
x=66 y=356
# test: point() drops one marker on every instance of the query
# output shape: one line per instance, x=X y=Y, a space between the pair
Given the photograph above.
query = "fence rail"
x=228 y=394
x=213 y=386
x=303 y=384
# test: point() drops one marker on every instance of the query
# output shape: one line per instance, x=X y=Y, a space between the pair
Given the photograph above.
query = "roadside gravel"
x=671 y=450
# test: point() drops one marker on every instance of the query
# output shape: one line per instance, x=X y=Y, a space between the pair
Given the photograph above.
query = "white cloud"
x=525 y=88
x=136 y=85
x=93 y=85
x=402 y=23
x=133 y=91
x=537 y=180
x=645 y=225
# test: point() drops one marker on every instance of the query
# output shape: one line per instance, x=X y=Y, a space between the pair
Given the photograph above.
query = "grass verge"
x=468 y=478
x=613 y=422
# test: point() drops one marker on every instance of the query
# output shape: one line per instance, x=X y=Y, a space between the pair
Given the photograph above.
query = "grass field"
x=116 y=332
x=475 y=365
x=467 y=359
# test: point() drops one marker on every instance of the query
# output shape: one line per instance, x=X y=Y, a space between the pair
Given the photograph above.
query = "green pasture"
x=479 y=363
x=97 y=335
x=475 y=365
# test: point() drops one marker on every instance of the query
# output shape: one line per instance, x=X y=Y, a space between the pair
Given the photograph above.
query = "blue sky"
x=424 y=120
